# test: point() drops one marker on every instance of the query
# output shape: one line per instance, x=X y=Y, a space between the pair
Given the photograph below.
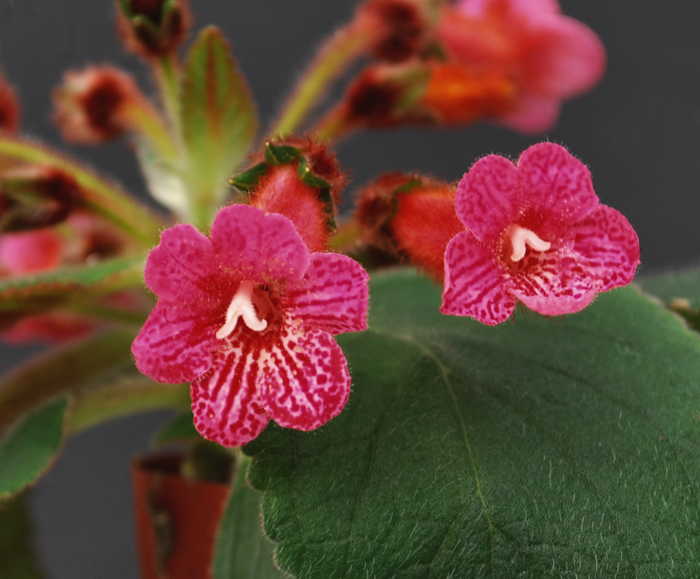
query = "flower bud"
x=300 y=179
x=397 y=29
x=9 y=108
x=34 y=196
x=30 y=251
x=95 y=104
x=153 y=28
x=410 y=216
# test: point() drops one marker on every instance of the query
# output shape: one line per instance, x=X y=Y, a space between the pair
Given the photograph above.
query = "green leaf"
x=242 y=550
x=543 y=448
x=674 y=285
x=179 y=429
x=18 y=559
x=219 y=120
x=29 y=448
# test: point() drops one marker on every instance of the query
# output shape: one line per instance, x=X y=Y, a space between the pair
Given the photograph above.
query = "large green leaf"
x=242 y=549
x=29 y=448
x=18 y=559
x=543 y=448
x=219 y=121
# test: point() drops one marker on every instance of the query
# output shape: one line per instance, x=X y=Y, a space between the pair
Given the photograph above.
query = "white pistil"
x=241 y=306
x=521 y=238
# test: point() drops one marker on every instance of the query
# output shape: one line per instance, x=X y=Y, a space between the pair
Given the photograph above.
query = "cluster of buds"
x=300 y=179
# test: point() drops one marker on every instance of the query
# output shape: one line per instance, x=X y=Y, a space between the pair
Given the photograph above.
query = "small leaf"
x=219 y=121
x=18 y=559
x=242 y=550
x=679 y=290
x=544 y=448
x=29 y=448
x=179 y=429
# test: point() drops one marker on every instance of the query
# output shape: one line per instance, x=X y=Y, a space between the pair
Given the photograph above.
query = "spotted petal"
x=475 y=285
x=258 y=246
x=305 y=380
x=608 y=247
x=175 y=344
x=333 y=295
x=226 y=401
x=553 y=282
x=556 y=183
x=488 y=197
x=180 y=266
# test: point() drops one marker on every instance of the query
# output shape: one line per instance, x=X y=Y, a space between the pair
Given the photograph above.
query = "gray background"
x=638 y=131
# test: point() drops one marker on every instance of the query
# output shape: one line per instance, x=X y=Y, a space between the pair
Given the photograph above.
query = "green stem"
x=336 y=54
x=102 y=197
x=167 y=75
x=93 y=407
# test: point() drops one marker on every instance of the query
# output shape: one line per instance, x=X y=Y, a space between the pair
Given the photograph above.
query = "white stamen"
x=241 y=306
x=521 y=238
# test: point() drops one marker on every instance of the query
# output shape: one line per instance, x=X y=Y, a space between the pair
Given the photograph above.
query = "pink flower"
x=537 y=233
x=550 y=56
x=30 y=251
x=248 y=316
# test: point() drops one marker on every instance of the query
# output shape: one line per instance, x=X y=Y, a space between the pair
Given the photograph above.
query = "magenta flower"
x=30 y=251
x=537 y=233
x=248 y=317
x=549 y=56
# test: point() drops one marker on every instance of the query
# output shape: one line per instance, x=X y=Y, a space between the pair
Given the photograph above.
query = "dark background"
x=639 y=131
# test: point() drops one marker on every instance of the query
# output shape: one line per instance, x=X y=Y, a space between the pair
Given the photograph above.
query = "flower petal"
x=608 y=247
x=260 y=246
x=532 y=114
x=553 y=282
x=522 y=7
x=226 y=401
x=176 y=344
x=556 y=183
x=333 y=296
x=475 y=285
x=564 y=57
x=181 y=266
x=305 y=380
x=488 y=197
x=30 y=251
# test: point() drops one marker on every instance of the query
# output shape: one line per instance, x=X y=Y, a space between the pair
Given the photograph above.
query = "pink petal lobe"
x=564 y=57
x=226 y=401
x=555 y=183
x=608 y=247
x=259 y=246
x=475 y=286
x=30 y=251
x=333 y=296
x=305 y=380
x=521 y=7
x=553 y=282
x=488 y=197
x=180 y=267
x=176 y=344
x=532 y=114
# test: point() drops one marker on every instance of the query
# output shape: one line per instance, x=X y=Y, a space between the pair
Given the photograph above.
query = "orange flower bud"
x=94 y=104
x=153 y=28
x=9 y=108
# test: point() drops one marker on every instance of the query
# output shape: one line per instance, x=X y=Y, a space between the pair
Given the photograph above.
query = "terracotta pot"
x=176 y=519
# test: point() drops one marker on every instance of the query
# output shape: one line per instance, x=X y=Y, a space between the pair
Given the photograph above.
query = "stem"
x=331 y=127
x=107 y=403
x=335 y=55
x=167 y=75
x=146 y=121
x=104 y=198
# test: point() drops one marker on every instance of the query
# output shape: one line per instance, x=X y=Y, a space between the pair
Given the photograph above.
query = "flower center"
x=522 y=238
x=241 y=306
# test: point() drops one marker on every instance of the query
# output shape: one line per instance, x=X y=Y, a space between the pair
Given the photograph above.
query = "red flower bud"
x=153 y=28
x=94 y=104
x=34 y=196
x=410 y=216
x=9 y=108
x=398 y=29
x=301 y=180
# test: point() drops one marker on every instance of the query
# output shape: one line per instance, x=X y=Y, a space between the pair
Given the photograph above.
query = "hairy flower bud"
x=300 y=179
x=94 y=104
x=153 y=28
x=9 y=108
x=410 y=216
x=33 y=197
